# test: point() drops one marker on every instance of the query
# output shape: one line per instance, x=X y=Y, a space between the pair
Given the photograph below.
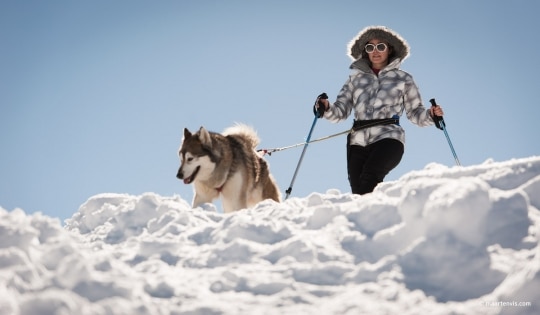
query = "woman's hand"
x=321 y=105
x=436 y=111
x=323 y=102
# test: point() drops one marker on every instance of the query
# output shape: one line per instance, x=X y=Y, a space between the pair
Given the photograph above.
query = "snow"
x=458 y=240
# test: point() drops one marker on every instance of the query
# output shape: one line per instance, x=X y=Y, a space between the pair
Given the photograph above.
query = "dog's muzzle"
x=180 y=175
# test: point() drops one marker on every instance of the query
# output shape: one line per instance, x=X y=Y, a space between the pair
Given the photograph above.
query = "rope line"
x=270 y=151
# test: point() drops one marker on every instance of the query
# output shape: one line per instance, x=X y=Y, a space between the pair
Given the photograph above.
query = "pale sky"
x=94 y=95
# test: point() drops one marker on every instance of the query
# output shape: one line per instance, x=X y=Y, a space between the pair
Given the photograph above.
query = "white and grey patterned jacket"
x=376 y=97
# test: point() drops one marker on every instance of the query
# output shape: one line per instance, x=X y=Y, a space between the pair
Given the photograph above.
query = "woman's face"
x=379 y=59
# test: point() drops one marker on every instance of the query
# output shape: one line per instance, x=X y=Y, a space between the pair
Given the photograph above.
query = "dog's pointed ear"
x=204 y=136
x=187 y=133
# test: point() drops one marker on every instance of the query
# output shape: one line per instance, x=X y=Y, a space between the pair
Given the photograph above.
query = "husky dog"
x=226 y=164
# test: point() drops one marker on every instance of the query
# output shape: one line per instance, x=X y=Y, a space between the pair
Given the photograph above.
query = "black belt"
x=362 y=124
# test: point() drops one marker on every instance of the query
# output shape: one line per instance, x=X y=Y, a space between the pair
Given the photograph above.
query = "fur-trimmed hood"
x=383 y=33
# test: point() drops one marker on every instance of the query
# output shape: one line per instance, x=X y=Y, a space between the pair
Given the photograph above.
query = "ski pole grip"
x=439 y=122
x=318 y=108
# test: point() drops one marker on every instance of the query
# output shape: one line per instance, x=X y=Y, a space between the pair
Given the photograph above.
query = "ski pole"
x=439 y=122
x=317 y=116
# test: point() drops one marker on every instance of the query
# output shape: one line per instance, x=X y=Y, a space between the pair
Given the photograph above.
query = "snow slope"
x=460 y=240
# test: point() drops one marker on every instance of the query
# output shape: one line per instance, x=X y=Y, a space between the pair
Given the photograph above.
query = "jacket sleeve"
x=343 y=106
x=412 y=101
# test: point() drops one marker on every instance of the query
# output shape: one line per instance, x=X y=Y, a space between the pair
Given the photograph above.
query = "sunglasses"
x=381 y=47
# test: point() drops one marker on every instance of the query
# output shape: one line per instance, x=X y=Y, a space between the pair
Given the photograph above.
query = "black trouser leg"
x=367 y=166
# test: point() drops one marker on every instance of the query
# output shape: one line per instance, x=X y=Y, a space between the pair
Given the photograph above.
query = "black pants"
x=367 y=166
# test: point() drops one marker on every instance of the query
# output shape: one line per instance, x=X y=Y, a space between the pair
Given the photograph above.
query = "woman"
x=378 y=92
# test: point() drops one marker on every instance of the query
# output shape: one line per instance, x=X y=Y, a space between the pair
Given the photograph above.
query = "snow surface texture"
x=460 y=240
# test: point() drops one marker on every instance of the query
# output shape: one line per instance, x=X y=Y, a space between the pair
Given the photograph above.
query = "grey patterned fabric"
x=390 y=93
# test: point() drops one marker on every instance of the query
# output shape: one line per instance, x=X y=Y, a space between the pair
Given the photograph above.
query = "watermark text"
x=506 y=304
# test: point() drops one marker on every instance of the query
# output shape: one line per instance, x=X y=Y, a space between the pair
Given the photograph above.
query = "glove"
x=318 y=108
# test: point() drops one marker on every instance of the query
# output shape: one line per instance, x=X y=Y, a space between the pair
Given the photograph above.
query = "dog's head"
x=196 y=156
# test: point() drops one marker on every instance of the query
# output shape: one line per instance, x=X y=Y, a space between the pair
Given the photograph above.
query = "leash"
x=270 y=151
x=356 y=126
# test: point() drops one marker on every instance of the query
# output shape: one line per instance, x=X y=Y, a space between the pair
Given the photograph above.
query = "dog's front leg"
x=234 y=194
x=234 y=204
x=203 y=195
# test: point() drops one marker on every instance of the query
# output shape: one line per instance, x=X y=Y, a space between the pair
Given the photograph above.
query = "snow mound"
x=460 y=240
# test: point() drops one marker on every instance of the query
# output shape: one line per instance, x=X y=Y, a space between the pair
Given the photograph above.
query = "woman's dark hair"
x=391 y=54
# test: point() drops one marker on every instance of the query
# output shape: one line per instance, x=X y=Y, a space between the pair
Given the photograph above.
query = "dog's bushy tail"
x=245 y=131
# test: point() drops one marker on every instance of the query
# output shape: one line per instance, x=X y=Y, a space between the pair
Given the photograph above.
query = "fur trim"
x=383 y=33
